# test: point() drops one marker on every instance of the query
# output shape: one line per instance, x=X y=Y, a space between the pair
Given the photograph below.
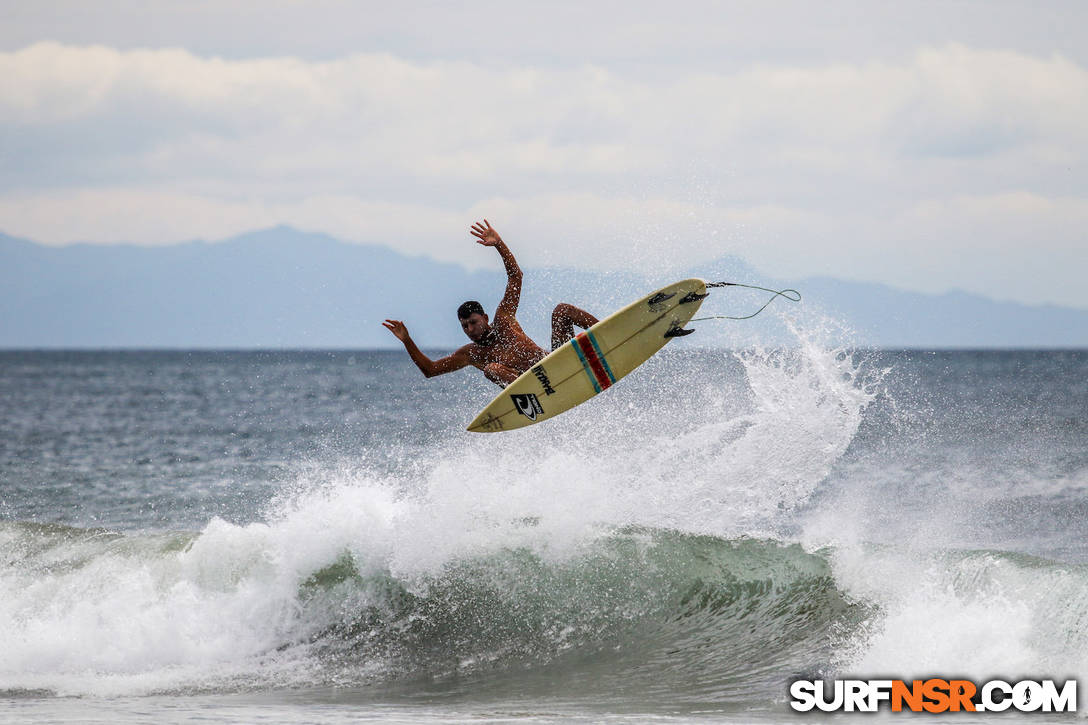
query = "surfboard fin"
x=659 y=298
x=677 y=331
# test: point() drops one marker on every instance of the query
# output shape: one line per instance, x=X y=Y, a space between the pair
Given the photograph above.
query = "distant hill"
x=285 y=288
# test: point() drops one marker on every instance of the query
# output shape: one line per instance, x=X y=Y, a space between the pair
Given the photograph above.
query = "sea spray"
x=951 y=524
x=974 y=613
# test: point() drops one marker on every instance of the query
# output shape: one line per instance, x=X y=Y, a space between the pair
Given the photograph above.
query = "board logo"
x=542 y=376
x=527 y=405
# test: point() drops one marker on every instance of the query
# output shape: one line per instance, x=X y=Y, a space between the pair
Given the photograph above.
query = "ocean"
x=311 y=536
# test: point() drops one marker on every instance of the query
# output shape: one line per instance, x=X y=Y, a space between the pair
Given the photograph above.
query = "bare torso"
x=507 y=345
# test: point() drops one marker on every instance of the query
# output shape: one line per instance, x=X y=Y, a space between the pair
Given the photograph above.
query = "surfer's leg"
x=564 y=318
x=500 y=374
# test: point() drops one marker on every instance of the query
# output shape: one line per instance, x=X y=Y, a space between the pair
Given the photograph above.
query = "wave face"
x=634 y=611
x=635 y=614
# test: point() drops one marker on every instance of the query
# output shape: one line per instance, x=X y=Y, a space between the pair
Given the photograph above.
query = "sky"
x=925 y=145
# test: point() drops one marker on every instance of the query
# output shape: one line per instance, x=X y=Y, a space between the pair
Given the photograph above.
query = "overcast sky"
x=925 y=145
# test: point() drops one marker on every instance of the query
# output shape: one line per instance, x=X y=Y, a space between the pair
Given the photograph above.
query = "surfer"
x=501 y=349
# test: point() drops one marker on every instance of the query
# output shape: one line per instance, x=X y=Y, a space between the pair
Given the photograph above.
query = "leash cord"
x=790 y=294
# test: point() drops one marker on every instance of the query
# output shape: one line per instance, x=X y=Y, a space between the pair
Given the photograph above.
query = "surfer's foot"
x=564 y=318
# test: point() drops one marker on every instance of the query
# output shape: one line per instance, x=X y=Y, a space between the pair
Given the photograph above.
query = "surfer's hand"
x=485 y=234
x=397 y=328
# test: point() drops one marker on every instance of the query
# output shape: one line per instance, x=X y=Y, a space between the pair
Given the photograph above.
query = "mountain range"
x=284 y=288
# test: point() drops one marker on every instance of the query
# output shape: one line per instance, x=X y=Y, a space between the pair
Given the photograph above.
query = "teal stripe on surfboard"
x=585 y=365
x=600 y=356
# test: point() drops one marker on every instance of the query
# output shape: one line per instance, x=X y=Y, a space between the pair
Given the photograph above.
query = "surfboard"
x=594 y=360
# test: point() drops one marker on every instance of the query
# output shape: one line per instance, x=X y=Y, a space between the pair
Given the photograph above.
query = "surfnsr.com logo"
x=933 y=695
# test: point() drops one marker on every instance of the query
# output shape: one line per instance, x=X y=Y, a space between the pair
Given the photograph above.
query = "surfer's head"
x=473 y=320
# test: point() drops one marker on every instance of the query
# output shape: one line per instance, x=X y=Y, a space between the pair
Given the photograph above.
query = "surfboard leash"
x=790 y=294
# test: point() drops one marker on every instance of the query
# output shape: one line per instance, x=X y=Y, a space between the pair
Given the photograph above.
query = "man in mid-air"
x=500 y=348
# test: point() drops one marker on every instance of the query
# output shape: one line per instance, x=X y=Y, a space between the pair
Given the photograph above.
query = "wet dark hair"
x=466 y=310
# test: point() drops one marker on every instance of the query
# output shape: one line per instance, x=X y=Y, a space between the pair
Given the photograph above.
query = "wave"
x=637 y=610
x=666 y=565
x=647 y=612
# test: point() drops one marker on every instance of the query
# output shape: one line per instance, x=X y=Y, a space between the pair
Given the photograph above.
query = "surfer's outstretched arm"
x=428 y=367
x=487 y=236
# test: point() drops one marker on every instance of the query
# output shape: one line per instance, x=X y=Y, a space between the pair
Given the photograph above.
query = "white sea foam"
x=977 y=614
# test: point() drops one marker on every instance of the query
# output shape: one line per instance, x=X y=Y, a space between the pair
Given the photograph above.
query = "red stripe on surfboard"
x=594 y=362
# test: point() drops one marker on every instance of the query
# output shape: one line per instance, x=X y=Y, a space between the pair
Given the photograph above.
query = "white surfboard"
x=594 y=360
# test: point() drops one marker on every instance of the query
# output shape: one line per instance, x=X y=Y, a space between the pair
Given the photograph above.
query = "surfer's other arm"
x=428 y=367
x=487 y=236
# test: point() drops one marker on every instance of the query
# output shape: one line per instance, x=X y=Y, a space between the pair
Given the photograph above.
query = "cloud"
x=470 y=122
x=827 y=169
